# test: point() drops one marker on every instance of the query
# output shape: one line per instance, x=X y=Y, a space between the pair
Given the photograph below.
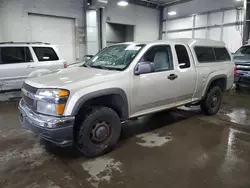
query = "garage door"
x=54 y=30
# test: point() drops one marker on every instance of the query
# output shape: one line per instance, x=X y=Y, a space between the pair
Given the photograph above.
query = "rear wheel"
x=212 y=102
x=98 y=131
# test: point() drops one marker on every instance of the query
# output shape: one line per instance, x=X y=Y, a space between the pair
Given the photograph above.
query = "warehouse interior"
x=180 y=147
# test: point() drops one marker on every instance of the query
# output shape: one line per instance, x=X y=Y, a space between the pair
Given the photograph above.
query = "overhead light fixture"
x=122 y=3
x=239 y=0
x=172 y=13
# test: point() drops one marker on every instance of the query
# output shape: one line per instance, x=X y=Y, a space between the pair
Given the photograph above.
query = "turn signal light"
x=60 y=108
x=63 y=93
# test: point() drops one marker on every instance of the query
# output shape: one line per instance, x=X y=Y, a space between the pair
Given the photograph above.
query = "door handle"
x=30 y=66
x=172 y=76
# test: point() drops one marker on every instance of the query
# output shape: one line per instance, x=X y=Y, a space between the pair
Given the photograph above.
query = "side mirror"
x=144 y=68
x=87 y=57
x=182 y=65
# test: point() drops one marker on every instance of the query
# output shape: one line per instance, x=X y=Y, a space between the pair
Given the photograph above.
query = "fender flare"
x=111 y=91
x=213 y=79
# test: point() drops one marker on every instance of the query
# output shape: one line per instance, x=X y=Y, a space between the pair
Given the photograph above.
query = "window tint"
x=45 y=54
x=182 y=55
x=161 y=56
x=221 y=54
x=15 y=55
x=205 y=54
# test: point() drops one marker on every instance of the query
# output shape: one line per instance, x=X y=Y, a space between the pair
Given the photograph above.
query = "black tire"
x=210 y=105
x=237 y=87
x=86 y=140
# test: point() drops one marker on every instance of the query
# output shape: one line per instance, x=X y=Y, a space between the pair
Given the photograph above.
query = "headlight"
x=53 y=92
x=51 y=101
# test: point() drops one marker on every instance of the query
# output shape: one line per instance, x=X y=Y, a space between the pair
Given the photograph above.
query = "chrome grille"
x=29 y=88
x=27 y=92
x=28 y=101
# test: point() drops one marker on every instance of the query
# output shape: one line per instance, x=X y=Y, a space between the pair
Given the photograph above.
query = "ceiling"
x=157 y=3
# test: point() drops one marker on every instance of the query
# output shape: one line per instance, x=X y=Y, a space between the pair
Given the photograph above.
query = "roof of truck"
x=188 y=41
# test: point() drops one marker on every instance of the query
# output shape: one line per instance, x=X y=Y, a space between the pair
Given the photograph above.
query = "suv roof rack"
x=11 y=42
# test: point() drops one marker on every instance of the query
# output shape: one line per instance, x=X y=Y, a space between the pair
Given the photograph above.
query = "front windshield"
x=243 y=51
x=117 y=57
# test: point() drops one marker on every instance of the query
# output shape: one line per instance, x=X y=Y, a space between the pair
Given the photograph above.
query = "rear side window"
x=45 y=54
x=221 y=54
x=11 y=55
x=205 y=54
x=182 y=56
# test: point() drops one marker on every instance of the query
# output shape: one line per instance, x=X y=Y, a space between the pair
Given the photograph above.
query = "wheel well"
x=221 y=82
x=113 y=101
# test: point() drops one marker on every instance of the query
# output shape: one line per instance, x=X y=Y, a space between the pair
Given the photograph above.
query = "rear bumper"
x=58 y=130
x=242 y=80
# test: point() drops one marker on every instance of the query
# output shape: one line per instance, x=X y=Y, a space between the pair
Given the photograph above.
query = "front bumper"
x=58 y=130
x=242 y=80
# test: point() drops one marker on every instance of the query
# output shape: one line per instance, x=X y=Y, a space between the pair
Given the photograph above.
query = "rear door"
x=47 y=58
x=15 y=63
x=186 y=73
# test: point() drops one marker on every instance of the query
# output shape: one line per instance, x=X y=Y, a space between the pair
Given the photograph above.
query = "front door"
x=15 y=66
x=156 y=90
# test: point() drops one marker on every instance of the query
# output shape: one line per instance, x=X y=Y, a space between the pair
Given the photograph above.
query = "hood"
x=242 y=59
x=68 y=76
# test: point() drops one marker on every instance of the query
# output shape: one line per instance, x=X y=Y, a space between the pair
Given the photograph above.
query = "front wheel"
x=98 y=131
x=210 y=105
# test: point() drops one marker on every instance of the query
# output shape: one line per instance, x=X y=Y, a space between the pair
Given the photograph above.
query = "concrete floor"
x=180 y=148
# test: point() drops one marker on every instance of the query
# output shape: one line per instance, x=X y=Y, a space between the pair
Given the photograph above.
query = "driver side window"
x=160 y=56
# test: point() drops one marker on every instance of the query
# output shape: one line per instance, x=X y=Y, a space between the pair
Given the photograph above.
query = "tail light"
x=65 y=65
x=235 y=71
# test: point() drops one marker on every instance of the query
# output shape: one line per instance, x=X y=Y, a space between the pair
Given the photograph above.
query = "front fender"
x=80 y=102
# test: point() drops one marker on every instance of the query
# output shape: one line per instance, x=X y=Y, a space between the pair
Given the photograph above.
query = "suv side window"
x=45 y=54
x=161 y=56
x=182 y=56
x=205 y=54
x=11 y=55
x=221 y=54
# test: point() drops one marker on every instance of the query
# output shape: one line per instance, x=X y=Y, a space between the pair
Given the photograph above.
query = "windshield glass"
x=117 y=57
x=243 y=51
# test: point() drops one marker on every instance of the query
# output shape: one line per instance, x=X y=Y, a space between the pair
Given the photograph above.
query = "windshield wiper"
x=84 y=65
x=99 y=67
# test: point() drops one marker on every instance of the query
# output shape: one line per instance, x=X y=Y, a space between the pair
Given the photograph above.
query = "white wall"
x=199 y=6
x=1 y=20
x=210 y=25
x=15 y=14
x=145 y=20
x=92 y=32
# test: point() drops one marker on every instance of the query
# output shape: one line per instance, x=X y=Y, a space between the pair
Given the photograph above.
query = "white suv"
x=20 y=60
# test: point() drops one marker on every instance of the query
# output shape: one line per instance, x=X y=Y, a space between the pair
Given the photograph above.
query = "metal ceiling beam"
x=157 y=4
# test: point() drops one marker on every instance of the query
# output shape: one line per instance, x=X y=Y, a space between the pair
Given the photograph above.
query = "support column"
x=246 y=27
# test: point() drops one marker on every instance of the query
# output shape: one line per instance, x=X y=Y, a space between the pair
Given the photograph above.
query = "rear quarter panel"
x=208 y=71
